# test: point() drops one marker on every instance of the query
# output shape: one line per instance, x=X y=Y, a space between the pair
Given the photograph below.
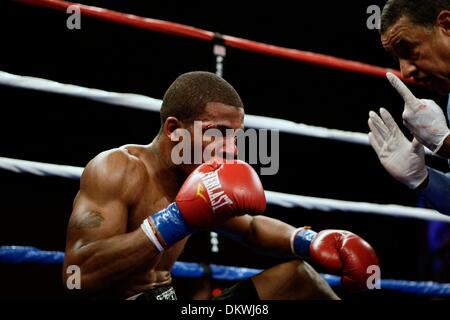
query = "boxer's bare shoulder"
x=118 y=172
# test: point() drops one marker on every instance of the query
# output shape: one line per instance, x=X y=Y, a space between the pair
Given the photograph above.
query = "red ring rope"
x=233 y=42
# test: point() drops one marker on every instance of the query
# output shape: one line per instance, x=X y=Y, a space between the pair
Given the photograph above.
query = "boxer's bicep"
x=91 y=221
x=100 y=210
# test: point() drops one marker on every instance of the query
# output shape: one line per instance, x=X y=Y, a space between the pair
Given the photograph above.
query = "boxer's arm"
x=97 y=237
x=265 y=234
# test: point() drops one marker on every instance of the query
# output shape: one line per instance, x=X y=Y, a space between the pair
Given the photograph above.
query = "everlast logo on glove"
x=215 y=192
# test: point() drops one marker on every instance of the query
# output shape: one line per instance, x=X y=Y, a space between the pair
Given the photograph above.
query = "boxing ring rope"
x=22 y=255
x=275 y=198
x=229 y=41
x=17 y=254
x=137 y=101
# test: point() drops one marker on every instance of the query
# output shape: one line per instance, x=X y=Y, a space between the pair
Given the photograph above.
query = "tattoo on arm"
x=88 y=220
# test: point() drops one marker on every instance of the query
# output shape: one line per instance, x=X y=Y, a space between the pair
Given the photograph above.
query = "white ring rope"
x=129 y=100
x=275 y=198
x=40 y=169
x=146 y=103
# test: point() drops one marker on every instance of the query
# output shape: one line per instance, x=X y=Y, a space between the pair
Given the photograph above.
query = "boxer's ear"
x=443 y=21
x=171 y=127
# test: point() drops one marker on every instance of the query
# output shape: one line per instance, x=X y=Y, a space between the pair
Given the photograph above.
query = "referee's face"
x=423 y=53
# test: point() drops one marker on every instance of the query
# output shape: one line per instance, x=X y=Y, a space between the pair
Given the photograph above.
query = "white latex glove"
x=424 y=118
x=404 y=160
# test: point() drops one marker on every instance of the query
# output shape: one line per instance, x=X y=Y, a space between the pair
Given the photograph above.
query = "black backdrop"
x=58 y=129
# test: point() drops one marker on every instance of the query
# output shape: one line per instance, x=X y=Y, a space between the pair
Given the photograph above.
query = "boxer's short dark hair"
x=188 y=95
x=420 y=12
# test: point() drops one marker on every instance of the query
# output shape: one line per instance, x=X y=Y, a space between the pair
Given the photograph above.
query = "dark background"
x=63 y=130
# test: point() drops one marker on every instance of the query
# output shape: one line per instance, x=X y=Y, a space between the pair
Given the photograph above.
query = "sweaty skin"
x=119 y=189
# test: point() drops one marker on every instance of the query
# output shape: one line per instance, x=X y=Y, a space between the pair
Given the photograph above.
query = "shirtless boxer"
x=136 y=208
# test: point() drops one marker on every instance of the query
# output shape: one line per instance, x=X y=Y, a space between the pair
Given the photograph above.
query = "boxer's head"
x=194 y=105
x=417 y=32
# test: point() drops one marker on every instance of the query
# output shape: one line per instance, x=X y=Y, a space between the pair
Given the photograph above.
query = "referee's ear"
x=443 y=22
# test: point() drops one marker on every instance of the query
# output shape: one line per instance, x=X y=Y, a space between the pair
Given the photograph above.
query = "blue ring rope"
x=21 y=255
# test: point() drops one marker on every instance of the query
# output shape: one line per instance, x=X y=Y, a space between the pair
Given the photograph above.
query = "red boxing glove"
x=339 y=252
x=213 y=193
x=217 y=191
